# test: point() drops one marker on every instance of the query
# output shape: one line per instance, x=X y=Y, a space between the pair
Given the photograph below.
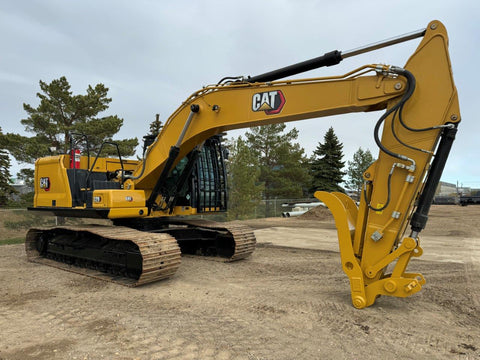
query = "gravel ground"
x=289 y=300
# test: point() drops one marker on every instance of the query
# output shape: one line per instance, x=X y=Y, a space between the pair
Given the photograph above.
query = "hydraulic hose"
x=408 y=93
x=395 y=109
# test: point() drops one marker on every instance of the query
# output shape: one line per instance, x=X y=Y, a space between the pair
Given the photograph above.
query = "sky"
x=153 y=54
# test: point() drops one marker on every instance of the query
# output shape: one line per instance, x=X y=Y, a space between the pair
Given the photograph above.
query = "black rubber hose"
x=389 y=186
x=400 y=140
x=396 y=107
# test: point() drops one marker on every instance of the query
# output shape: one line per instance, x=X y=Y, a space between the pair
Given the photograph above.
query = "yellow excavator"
x=183 y=173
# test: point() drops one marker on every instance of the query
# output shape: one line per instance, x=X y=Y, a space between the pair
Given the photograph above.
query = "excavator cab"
x=199 y=181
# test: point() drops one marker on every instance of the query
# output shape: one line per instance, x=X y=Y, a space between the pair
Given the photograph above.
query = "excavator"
x=152 y=202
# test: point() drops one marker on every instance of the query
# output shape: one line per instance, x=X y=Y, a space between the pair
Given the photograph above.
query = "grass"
x=17 y=240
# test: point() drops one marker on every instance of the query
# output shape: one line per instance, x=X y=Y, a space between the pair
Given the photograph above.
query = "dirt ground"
x=289 y=300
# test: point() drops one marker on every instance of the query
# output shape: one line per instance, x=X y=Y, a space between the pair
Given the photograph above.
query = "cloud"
x=152 y=55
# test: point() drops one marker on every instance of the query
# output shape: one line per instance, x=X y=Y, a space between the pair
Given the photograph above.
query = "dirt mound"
x=317 y=213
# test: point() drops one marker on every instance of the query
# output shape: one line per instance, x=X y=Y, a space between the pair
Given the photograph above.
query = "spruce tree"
x=244 y=188
x=326 y=164
x=361 y=161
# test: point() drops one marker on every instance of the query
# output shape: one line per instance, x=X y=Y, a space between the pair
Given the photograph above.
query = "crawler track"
x=221 y=241
x=153 y=256
x=131 y=257
x=241 y=237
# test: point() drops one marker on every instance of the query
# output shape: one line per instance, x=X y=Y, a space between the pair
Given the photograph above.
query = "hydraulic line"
x=399 y=199
x=398 y=139
x=412 y=83
x=231 y=78
x=387 y=202
x=396 y=108
x=403 y=100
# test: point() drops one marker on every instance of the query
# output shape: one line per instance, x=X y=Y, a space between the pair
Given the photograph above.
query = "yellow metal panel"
x=127 y=213
x=51 y=170
x=118 y=198
x=122 y=203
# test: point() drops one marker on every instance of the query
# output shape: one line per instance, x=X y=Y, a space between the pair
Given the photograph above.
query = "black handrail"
x=90 y=170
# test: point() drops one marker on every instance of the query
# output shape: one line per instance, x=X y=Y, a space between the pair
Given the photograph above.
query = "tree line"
x=266 y=163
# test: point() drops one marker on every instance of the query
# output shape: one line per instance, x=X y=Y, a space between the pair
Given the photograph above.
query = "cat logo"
x=270 y=101
x=45 y=183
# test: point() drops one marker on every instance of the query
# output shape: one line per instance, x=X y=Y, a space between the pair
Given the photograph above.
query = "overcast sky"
x=153 y=54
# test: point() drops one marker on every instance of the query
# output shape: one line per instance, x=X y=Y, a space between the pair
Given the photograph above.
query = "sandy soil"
x=289 y=300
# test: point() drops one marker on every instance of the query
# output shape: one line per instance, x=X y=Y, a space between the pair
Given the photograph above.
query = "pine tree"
x=58 y=115
x=361 y=161
x=326 y=164
x=244 y=188
x=283 y=166
x=5 y=188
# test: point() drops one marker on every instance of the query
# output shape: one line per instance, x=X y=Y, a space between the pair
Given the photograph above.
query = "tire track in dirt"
x=281 y=303
x=472 y=268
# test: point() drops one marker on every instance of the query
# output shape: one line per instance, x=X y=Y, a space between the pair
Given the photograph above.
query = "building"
x=446 y=189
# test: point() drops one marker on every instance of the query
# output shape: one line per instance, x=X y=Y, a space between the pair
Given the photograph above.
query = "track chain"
x=243 y=236
x=160 y=252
